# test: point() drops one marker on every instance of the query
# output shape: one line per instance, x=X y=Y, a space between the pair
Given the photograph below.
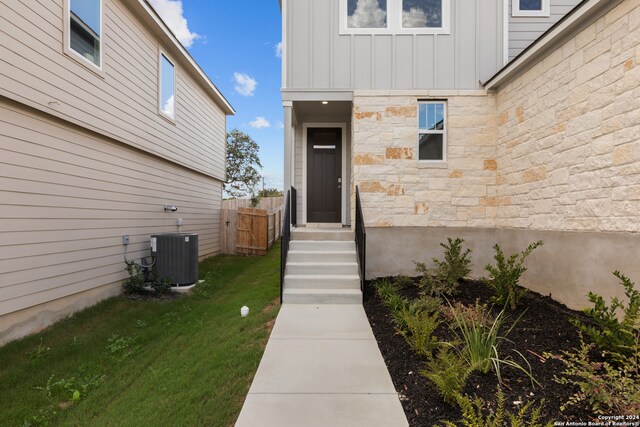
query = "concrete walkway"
x=322 y=367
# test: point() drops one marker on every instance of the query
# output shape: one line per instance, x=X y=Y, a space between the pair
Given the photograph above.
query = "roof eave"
x=162 y=31
x=582 y=15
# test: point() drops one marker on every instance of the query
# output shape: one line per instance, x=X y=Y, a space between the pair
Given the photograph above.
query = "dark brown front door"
x=324 y=175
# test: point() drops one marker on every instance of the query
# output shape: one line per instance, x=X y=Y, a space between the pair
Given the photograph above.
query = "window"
x=394 y=16
x=167 y=87
x=432 y=131
x=530 y=8
x=85 y=30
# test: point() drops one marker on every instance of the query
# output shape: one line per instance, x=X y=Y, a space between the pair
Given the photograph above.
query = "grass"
x=187 y=361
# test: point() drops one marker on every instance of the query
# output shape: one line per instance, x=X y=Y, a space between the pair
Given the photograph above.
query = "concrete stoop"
x=322 y=268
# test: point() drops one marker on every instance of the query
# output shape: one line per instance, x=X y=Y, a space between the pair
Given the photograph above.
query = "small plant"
x=610 y=334
x=40 y=352
x=119 y=347
x=504 y=277
x=389 y=295
x=479 y=333
x=403 y=282
x=608 y=388
x=135 y=282
x=474 y=414
x=443 y=280
x=417 y=330
x=169 y=317
x=449 y=373
x=141 y=324
x=161 y=286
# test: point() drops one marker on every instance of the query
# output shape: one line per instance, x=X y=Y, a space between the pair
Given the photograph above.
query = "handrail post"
x=286 y=238
x=361 y=244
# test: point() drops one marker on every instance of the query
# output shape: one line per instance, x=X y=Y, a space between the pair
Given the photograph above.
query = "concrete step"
x=322 y=234
x=321 y=282
x=322 y=268
x=322 y=246
x=322 y=256
x=323 y=296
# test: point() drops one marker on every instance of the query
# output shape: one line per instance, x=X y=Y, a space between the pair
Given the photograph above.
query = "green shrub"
x=479 y=333
x=608 y=388
x=135 y=282
x=402 y=282
x=388 y=294
x=443 y=280
x=161 y=286
x=417 y=329
x=504 y=277
x=449 y=373
x=474 y=414
x=609 y=334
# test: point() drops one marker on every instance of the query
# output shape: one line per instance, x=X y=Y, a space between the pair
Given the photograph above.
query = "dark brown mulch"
x=543 y=327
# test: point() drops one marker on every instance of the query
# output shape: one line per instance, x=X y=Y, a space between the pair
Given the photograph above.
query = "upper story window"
x=84 y=29
x=167 y=87
x=394 y=16
x=530 y=8
x=432 y=140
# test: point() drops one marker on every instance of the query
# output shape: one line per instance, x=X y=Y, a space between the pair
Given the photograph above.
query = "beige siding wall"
x=569 y=133
x=122 y=102
x=399 y=190
x=66 y=198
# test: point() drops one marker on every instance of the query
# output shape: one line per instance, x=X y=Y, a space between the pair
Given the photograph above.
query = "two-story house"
x=105 y=119
x=503 y=121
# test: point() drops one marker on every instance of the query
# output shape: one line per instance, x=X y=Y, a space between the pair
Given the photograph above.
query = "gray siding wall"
x=68 y=195
x=122 y=103
x=525 y=30
x=318 y=57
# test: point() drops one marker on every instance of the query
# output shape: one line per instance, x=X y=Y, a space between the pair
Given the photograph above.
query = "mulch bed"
x=544 y=327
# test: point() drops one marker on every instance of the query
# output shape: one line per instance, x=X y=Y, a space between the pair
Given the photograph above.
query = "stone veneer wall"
x=398 y=190
x=568 y=151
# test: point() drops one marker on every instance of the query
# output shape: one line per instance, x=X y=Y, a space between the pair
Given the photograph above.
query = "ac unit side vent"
x=176 y=257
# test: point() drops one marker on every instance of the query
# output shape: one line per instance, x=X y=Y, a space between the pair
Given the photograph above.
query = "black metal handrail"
x=286 y=238
x=361 y=244
x=294 y=207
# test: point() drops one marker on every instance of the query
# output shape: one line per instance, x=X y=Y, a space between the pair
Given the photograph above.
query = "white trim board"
x=343 y=127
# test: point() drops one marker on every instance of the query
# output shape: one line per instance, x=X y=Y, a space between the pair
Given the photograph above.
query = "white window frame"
x=544 y=12
x=394 y=21
x=161 y=54
x=442 y=132
x=67 y=38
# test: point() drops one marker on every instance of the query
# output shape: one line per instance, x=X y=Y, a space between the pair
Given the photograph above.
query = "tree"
x=242 y=160
x=271 y=192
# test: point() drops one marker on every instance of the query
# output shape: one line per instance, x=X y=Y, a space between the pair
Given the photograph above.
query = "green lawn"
x=184 y=362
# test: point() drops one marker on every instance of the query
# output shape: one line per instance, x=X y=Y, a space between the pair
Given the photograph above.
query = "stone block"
x=408 y=111
x=490 y=164
x=399 y=153
x=395 y=190
x=368 y=159
x=534 y=174
x=372 y=187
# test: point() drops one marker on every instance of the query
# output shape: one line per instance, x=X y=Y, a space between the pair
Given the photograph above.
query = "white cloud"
x=245 y=84
x=169 y=107
x=171 y=13
x=279 y=50
x=415 y=18
x=368 y=14
x=259 y=123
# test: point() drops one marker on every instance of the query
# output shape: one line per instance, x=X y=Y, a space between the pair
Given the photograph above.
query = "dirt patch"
x=543 y=327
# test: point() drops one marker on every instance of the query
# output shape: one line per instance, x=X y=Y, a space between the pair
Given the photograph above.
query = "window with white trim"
x=84 y=30
x=394 y=16
x=432 y=130
x=530 y=8
x=167 y=87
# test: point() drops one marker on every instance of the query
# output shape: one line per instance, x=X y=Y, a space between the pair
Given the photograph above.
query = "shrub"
x=474 y=414
x=161 y=286
x=135 y=282
x=389 y=295
x=417 y=329
x=607 y=388
x=449 y=373
x=443 y=280
x=479 y=333
x=403 y=282
x=609 y=334
x=504 y=277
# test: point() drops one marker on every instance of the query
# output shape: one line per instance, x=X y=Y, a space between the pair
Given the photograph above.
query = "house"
x=495 y=121
x=104 y=120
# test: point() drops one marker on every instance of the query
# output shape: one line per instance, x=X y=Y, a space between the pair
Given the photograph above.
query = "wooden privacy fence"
x=268 y=203
x=248 y=231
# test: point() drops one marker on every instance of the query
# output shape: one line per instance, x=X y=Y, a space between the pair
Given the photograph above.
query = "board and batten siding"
x=524 y=30
x=319 y=57
x=67 y=196
x=122 y=101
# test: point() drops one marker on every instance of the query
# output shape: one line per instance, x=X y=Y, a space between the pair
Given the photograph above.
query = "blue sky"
x=235 y=43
